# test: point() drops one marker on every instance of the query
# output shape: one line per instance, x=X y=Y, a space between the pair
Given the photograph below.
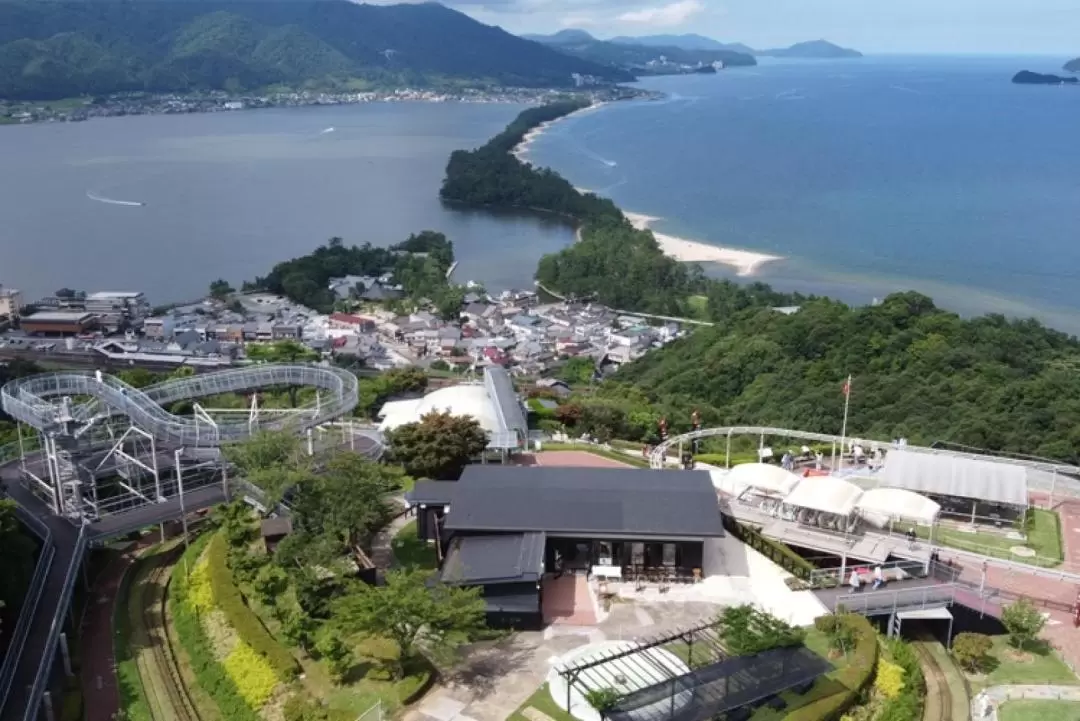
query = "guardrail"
x=880 y=603
x=30 y=603
x=41 y=678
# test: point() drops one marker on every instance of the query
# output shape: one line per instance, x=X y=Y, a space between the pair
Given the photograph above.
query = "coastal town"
x=514 y=329
x=213 y=101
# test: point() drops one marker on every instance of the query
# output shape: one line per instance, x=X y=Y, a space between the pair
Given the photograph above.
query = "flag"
x=847 y=387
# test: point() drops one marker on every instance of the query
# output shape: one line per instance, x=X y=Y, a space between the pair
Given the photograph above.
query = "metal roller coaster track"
x=47 y=402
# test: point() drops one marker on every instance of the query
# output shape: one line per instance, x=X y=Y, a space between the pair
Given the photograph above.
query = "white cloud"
x=577 y=20
x=675 y=13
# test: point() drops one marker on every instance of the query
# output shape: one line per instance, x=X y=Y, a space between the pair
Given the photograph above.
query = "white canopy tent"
x=879 y=506
x=761 y=478
x=957 y=476
x=828 y=494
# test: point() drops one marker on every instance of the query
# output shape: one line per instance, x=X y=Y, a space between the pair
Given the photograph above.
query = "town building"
x=115 y=309
x=59 y=323
x=11 y=303
x=510 y=529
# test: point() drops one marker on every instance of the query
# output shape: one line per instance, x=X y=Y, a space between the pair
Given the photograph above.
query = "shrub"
x=254 y=679
x=854 y=678
x=971 y=650
x=827 y=623
x=209 y=674
x=1023 y=622
x=747 y=630
x=602 y=699
x=889 y=679
x=243 y=620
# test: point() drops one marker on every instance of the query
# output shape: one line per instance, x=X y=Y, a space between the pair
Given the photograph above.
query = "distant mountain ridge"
x=691 y=41
x=1073 y=66
x=637 y=58
x=687 y=41
x=64 y=48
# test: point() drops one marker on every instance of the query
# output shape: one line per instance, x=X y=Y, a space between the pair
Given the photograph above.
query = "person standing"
x=879 y=577
x=855 y=581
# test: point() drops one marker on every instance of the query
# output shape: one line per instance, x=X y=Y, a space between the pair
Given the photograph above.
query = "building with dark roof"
x=504 y=528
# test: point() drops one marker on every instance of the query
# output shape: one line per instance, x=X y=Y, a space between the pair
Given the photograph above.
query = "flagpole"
x=843 y=428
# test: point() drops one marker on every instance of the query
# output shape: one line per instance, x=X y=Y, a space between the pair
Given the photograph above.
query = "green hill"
x=64 y=48
x=636 y=58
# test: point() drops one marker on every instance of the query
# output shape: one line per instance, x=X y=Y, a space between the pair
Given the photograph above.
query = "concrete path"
x=382 y=551
x=984 y=707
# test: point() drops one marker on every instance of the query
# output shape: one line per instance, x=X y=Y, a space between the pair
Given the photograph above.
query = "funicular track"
x=159 y=669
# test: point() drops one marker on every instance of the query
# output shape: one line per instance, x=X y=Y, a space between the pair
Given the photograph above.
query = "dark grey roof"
x=592 y=501
x=434 y=493
x=280 y=526
x=504 y=558
x=501 y=389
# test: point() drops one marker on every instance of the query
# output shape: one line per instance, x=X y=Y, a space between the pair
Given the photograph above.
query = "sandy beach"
x=745 y=262
x=522 y=148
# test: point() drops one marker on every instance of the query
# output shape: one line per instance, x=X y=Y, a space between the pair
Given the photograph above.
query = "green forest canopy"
x=919 y=372
x=66 y=48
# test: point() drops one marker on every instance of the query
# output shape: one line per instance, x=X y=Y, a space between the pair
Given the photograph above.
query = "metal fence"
x=41 y=678
x=30 y=603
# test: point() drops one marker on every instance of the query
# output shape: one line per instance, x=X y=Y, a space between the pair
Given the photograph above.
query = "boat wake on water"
x=111 y=201
x=326 y=130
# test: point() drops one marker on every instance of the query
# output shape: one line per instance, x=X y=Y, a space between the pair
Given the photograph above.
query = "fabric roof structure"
x=880 y=505
x=641 y=503
x=493 y=404
x=825 y=493
x=949 y=475
x=504 y=558
x=763 y=478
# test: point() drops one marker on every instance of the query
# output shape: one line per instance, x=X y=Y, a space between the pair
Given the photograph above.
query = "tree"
x=275 y=461
x=282 y=351
x=342 y=508
x=449 y=302
x=269 y=583
x=338 y=656
x=569 y=414
x=410 y=612
x=579 y=370
x=1023 y=622
x=220 y=289
x=971 y=650
x=438 y=446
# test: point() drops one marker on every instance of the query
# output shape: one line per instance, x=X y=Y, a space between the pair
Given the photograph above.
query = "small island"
x=1026 y=77
x=1073 y=66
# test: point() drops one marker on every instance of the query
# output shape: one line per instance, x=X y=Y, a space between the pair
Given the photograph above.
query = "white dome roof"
x=463 y=400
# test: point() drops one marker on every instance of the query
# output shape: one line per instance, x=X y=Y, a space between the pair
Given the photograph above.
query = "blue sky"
x=885 y=26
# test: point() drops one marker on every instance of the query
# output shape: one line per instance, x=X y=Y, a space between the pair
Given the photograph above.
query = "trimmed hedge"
x=210 y=674
x=854 y=677
x=775 y=551
x=248 y=627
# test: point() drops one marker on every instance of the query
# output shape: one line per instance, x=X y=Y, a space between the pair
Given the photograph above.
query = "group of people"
x=855 y=581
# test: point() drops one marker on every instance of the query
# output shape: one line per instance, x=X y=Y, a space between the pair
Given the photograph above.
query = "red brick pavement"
x=571 y=459
x=567 y=601
x=97 y=652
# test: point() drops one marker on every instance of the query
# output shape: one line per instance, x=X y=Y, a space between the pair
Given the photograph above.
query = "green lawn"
x=541 y=701
x=412 y=552
x=1034 y=710
x=1043 y=536
x=1039 y=664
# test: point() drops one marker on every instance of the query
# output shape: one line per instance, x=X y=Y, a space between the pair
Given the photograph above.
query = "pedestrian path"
x=984 y=707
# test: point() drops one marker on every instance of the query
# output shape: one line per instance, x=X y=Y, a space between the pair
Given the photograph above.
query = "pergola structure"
x=709 y=684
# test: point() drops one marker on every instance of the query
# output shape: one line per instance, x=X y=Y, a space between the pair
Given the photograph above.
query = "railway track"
x=166 y=693
x=946 y=692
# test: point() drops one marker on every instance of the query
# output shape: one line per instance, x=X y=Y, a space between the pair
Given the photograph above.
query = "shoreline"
x=746 y=263
x=522 y=148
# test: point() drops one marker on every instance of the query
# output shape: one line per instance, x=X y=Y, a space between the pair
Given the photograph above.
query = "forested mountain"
x=688 y=41
x=636 y=57
x=918 y=372
x=1073 y=65
x=67 y=47
x=813 y=49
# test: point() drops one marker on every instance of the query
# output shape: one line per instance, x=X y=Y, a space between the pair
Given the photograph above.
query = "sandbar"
x=745 y=262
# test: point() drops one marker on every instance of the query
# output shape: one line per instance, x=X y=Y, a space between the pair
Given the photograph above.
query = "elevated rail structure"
x=99 y=446
x=102 y=459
